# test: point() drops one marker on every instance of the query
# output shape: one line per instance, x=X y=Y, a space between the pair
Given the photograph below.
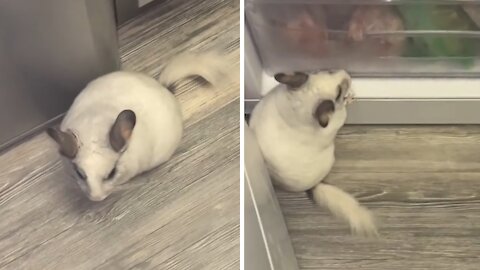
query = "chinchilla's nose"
x=344 y=74
x=97 y=197
x=97 y=194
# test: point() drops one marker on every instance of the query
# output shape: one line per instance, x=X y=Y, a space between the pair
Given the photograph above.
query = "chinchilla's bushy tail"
x=211 y=66
x=346 y=207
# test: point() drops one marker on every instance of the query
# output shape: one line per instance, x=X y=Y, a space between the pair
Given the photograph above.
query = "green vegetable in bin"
x=429 y=17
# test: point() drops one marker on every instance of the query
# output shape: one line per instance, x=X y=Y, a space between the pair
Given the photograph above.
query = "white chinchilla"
x=295 y=126
x=125 y=123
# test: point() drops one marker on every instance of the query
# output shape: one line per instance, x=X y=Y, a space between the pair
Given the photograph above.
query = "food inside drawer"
x=411 y=38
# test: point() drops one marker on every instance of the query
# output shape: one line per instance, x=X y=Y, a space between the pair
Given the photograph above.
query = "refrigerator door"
x=267 y=242
x=49 y=51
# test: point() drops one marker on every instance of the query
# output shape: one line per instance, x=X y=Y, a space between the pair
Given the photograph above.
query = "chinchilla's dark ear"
x=323 y=112
x=293 y=81
x=122 y=129
x=65 y=140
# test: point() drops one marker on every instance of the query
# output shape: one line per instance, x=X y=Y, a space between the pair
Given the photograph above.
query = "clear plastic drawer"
x=407 y=38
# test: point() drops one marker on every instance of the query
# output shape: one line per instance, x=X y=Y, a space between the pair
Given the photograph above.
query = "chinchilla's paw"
x=350 y=97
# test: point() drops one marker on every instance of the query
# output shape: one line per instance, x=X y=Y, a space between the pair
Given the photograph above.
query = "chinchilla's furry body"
x=125 y=123
x=295 y=126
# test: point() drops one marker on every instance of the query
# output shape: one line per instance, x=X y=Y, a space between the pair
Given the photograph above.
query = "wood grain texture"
x=421 y=182
x=182 y=215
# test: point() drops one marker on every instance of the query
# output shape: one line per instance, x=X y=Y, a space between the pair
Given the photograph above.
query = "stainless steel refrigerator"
x=49 y=50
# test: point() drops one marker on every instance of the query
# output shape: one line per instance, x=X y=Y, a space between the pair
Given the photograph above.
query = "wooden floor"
x=423 y=184
x=183 y=215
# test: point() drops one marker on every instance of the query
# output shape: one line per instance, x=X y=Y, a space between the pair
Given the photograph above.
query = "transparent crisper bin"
x=408 y=38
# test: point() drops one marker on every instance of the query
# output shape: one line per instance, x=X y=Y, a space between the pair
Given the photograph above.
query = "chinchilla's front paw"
x=349 y=97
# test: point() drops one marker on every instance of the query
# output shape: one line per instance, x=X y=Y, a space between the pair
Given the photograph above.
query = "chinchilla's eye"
x=80 y=173
x=112 y=173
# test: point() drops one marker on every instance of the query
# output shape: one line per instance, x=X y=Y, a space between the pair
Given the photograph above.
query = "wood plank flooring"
x=183 y=215
x=422 y=183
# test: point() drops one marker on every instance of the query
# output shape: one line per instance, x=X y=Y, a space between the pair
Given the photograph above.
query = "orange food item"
x=371 y=19
x=307 y=33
